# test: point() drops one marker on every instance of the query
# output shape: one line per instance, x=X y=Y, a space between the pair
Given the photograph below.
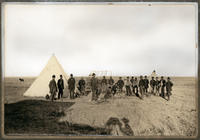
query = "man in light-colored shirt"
x=128 y=86
x=135 y=86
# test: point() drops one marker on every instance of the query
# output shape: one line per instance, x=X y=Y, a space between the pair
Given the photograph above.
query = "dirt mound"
x=41 y=117
x=149 y=117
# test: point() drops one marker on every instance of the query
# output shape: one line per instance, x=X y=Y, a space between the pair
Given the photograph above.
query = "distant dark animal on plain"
x=21 y=80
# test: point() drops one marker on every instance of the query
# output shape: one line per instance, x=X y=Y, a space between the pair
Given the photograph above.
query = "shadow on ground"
x=41 y=117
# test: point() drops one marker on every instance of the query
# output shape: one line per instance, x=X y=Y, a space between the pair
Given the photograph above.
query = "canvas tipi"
x=40 y=87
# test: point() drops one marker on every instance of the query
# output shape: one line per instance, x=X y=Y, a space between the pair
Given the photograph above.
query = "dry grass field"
x=152 y=116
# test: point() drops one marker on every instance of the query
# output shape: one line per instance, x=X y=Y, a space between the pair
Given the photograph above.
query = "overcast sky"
x=125 y=39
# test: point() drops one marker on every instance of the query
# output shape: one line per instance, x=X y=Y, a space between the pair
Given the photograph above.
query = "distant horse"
x=21 y=80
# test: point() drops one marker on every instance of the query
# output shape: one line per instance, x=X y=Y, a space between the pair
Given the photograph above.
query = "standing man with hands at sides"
x=53 y=87
x=60 y=85
x=141 y=86
x=162 y=84
x=135 y=86
x=71 y=85
x=94 y=87
x=146 y=84
x=120 y=84
x=128 y=86
x=169 y=85
x=157 y=85
x=111 y=81
x=104 y=84
x=132 y=80
x=152 y=85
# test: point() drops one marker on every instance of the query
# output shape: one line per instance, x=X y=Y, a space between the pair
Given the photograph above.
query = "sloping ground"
x=41 y=117
x=149 y=117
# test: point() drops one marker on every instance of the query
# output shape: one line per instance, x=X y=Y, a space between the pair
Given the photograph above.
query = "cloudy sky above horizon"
x=125 y=39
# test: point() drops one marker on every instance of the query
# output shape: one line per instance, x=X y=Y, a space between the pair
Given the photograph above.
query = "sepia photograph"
x=100 y=69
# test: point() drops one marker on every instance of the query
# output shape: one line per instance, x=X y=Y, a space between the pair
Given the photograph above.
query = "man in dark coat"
x=152 y=84
x=120 y=84
x=71 y=85
x=169 y=85
x=132 y=80
x=114 y=89
x=157 y=86
x=162 y=84
x=104 y=80
x=60 y=85
x=141 y=86
x=53 y=87
x=146 y=84
x=111 y=81
x=94 y=87
x=104 y=84
x=81 y=84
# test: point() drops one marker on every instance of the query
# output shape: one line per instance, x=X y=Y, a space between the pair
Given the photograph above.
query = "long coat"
x=152 y=83
x=120 y=83
x=169 y=85
x=132 y=80
x=94 y=83
x=81 y=82
x=71 y=83
x=146 y=83
x=141 y=83
x=104 y=81
x=110 y=81
x=52 y=86
x=162 y=83
x=60 y=84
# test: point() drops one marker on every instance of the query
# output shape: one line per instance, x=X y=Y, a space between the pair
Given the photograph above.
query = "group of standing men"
x=158 y=87
x=109 y=88
x=59 y=86
x=53 y=87
x=132 y=86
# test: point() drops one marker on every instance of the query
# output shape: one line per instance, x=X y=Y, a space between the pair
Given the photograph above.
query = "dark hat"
x=53 y=76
